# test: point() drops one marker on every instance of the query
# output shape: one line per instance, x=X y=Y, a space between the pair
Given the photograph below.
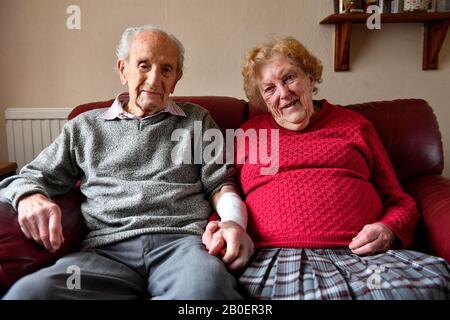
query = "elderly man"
x=145 y=210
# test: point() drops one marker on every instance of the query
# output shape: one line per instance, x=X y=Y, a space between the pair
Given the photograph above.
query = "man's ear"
x=121 y=66
x=179 y=75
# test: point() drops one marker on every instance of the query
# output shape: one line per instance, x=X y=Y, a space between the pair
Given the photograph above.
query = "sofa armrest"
x=432 y=194
x=20 y=256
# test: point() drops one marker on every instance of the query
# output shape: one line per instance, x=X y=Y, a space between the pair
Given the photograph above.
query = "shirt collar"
x=116 y=111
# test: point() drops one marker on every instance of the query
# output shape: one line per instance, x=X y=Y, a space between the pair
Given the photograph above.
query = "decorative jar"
x=415 y=5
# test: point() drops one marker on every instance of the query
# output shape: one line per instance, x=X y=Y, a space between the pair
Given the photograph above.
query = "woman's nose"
x=284 y=91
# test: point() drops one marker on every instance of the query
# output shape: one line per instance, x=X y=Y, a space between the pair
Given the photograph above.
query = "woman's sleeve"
x=400 y=211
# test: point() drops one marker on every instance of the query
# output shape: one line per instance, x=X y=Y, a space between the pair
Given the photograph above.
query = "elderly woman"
x=330 y=224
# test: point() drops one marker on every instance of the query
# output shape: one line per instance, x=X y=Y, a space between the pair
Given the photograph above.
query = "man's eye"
x=143 y=66
x=166 y=71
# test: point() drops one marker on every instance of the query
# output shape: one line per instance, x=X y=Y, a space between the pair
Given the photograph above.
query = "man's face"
x=150 y=72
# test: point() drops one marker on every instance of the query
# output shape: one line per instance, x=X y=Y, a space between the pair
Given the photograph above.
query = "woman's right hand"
x=40 y=219
x=373 y=238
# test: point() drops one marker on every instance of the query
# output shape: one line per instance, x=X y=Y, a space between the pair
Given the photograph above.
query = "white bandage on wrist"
x=230 y=207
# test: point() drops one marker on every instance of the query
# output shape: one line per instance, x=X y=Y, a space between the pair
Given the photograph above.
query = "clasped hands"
x=230 y=242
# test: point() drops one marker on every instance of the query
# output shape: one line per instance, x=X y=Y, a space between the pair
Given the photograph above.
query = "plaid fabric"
x=280 y=273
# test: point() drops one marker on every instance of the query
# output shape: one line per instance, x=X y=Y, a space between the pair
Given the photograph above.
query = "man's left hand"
x=229 y=240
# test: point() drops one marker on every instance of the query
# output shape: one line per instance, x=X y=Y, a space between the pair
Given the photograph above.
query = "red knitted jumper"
x=334 y=177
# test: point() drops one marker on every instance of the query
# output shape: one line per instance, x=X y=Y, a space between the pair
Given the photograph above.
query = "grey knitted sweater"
x=126 y=172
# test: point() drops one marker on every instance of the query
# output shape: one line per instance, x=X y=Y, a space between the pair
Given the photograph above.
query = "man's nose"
x=152 y=78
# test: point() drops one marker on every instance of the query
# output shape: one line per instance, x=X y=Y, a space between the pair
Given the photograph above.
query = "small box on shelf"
x=350 y=6
x=416 y=5
x=432 y=6
x=443 y=5
x=397 y=6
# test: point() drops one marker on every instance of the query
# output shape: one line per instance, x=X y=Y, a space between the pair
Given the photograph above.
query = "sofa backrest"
x=408 y=128
x=410 y=133
x=228 y=112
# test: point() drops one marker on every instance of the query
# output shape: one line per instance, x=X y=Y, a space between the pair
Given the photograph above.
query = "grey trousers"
x=159 y=266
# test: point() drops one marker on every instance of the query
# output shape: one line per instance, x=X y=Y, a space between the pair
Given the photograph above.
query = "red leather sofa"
x=408 y=129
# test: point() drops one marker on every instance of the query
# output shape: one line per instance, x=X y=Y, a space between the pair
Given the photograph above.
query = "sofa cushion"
x=20 y=256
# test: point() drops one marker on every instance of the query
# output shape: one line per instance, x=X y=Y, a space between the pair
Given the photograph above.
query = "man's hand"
x=230 y=241
x=40 y=219
x=373 y=238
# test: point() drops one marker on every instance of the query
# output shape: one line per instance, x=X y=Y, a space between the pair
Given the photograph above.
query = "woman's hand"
x=373 y=238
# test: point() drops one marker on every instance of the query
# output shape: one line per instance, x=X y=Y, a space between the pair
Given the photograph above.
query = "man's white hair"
x=123 y=48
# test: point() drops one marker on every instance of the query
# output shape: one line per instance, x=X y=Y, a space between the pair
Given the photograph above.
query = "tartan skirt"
x=332 y=274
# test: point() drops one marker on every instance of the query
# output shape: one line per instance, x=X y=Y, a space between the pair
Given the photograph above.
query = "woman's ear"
x=312 y=82
x=121 y=67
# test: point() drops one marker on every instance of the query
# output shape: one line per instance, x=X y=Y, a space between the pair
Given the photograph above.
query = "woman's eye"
x=268 y=89
x=290 y=77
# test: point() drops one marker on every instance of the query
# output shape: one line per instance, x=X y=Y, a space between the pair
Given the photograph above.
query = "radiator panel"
x=30 y=130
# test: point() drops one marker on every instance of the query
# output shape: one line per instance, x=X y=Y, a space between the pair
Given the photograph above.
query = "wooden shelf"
x=435 y=30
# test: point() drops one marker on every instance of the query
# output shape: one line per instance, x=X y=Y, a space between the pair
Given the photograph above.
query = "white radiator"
x=29 y=130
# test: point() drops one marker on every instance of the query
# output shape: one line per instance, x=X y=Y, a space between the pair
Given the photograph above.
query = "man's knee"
x=213 y=282
x=33 y=287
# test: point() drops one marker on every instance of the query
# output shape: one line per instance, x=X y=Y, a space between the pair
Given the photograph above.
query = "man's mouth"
x=150 y=93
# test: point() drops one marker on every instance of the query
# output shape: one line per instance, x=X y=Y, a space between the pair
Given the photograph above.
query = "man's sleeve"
x=215 y=172
x=53 y=172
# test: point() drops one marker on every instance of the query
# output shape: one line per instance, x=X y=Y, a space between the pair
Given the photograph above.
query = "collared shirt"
x=116 y=111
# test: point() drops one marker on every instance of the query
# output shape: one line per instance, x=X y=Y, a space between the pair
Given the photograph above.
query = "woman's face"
x=287 y=91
